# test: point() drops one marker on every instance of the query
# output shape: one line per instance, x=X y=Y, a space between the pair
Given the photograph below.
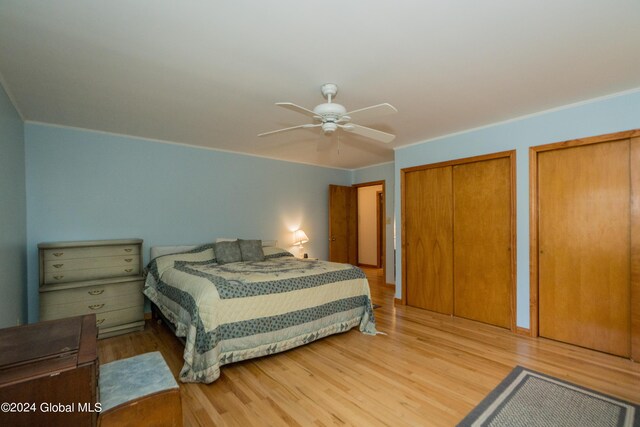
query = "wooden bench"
x=139 y=391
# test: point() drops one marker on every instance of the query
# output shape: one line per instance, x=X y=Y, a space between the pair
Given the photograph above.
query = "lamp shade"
x=300 y=237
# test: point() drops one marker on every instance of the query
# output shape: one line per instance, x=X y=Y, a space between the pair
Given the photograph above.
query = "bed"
x=267 y=303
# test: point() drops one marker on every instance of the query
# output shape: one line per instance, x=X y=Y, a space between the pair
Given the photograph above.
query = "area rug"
x=529 y=398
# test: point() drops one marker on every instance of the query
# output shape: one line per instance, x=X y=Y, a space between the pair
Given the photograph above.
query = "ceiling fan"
x=331 y=116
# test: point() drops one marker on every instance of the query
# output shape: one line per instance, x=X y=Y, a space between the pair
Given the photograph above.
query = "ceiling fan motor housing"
x=330 y=112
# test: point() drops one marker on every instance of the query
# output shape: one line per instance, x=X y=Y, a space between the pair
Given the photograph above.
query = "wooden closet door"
x=584 y=246
x=428 y=235
x=634 y=162
x=482 y=241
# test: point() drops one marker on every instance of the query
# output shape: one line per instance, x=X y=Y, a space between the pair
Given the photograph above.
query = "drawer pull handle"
x=58 y=265
x=96 y=292
x=128 y=259
x=128 y=270
x=99 y=322
x=58 y=253
x=96 y=306
x=58 y=277
x=128 y=250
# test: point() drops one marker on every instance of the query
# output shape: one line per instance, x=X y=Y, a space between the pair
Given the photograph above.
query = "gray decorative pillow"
x=251 y=250
x=227 y=252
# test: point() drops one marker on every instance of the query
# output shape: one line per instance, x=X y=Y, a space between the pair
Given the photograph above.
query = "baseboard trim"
x=397 y=301
x=523 y=331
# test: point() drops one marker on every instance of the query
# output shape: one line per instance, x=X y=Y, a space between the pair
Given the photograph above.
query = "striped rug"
x=529 y=398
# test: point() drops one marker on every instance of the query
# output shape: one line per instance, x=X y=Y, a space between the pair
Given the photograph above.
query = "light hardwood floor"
x=428 y=369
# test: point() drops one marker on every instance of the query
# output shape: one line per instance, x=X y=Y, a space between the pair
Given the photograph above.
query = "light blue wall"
x=12 y=215
x=607 y=115
x=384 y=172
x=89 y=185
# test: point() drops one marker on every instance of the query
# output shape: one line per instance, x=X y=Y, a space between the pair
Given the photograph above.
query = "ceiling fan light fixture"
x=329 y=127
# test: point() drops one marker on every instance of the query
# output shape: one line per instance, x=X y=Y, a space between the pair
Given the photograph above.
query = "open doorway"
x=371 y=224
x=353 y=207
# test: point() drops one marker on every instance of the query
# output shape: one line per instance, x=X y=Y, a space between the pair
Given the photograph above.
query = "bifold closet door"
x=584 y=246
x=482 y=241
x=428 y=234
x=634 y=162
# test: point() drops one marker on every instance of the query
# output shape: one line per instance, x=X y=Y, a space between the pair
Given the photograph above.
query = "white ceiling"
x=207 y=73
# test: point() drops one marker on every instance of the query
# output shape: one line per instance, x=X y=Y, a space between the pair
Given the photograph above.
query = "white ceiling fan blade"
x=297 y=109
x=309 y=125
x=374 y=110
x=369 y=133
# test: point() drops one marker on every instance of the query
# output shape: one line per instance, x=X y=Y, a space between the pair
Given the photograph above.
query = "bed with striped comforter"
x=242 y=310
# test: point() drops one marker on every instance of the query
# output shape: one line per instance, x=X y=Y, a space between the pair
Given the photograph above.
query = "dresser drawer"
x=57 y=254
x=57 y=311
x=91 y=294
x=54 y=266
x=119 y=317
x=90 y=274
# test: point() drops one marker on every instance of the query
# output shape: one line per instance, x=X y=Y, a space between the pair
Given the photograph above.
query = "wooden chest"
x=49 y=373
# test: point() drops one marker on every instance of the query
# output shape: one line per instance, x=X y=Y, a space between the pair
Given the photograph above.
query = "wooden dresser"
x=100 y=276
x=49 y=373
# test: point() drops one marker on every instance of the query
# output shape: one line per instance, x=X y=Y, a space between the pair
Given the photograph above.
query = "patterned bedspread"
x=243 y=310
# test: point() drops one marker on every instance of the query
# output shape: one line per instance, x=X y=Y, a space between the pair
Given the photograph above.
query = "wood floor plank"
x=429 y=369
